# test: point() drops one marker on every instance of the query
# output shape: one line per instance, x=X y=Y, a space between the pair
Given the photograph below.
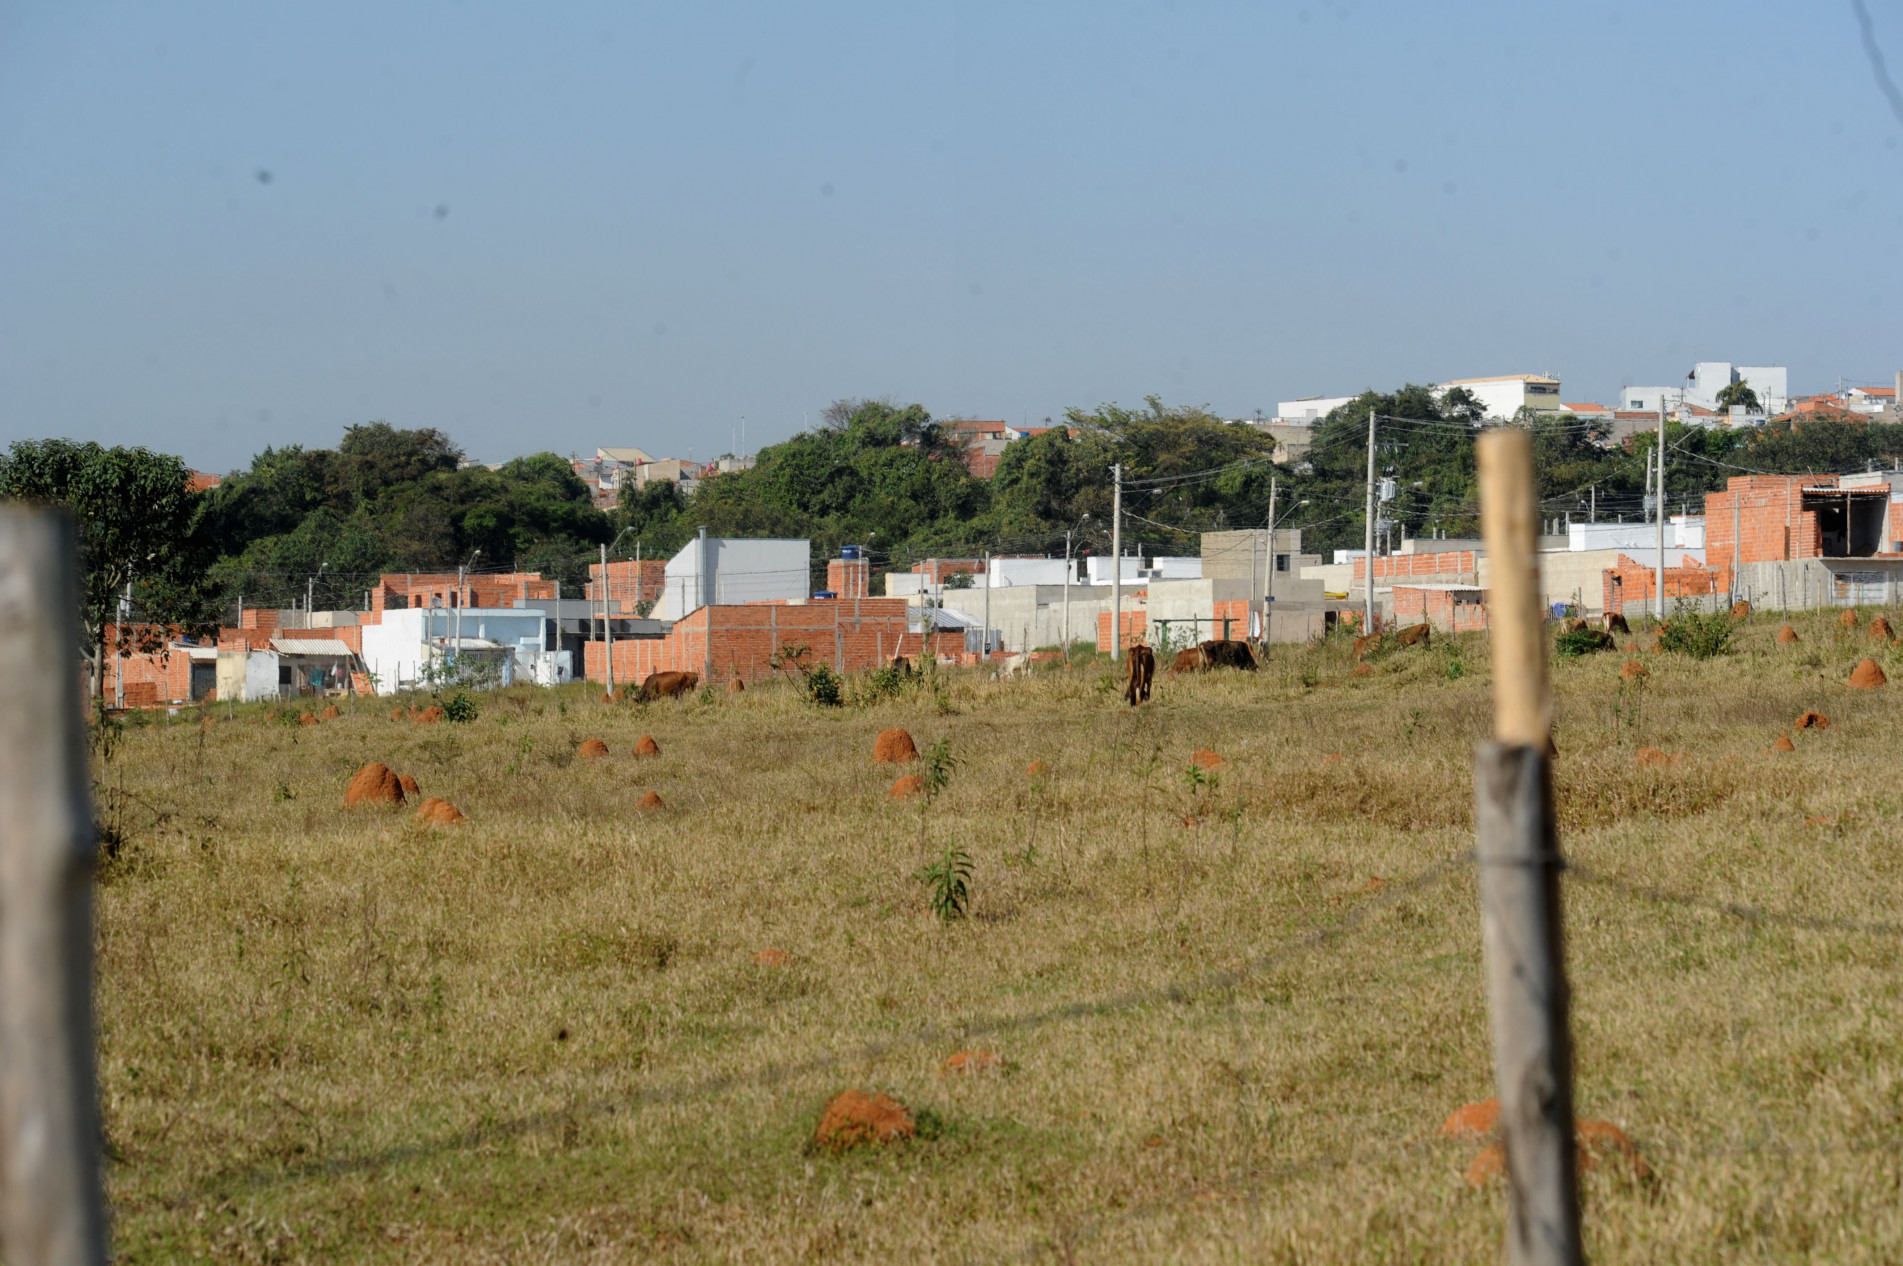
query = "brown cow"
x=1613 y=622
x=1188 y=660
x=666 y=685
x=1365 y=644
x=1142 y=669
x=1415 y=635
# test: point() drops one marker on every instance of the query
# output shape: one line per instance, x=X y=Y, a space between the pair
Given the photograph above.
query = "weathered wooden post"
x=1519 y=864
x=51 y=1209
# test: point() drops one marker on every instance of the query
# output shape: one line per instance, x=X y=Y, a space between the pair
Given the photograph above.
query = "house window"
x=1281 y=562
x=1636 y=404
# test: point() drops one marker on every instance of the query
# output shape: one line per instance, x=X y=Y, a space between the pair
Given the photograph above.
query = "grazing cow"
x=1227 y=655
x=1142 y=669
x=1365 y=644
x=903 y=664
x=666 y=686
x=1188 y=660
x=1613 y=622
x=1415 y=635
x=1571 y=624
x=1014 y=665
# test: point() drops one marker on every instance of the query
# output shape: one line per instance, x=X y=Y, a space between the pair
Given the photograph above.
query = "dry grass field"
x=1232 y=1012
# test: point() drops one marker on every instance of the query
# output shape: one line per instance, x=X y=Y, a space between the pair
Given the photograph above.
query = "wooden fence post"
x=1519 y=863
x=51 y=1210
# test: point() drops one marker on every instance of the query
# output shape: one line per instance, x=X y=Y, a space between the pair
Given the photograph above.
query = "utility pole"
x=1116 y=563
x=1268 y=589
x=984 y=648
x=1067 y=565
x=607 y=629
x=1367 y=626
x=1659 y=601
x=119 y=669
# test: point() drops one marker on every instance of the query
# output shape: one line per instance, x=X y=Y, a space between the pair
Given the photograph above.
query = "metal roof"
x=311 y=646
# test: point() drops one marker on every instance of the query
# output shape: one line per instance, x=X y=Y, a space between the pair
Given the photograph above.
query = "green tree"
x=1738 y=393
x=138 y=523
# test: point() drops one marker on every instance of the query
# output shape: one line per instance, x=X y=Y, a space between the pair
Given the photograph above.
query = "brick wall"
x=849 y=577
x=1772 y=525
x=938 y=570
x=151 y=679
x=628 y=581
x=850 y=635
x=1438 y=608
x=419 y=589
x=1135 y=626
x=1447 y=564
x=1630 y=581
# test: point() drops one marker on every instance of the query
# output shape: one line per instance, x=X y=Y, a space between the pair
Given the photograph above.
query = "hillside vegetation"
x=1233 y=1007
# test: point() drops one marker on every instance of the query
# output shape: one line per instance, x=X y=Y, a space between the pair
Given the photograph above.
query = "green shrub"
x=1577 y=642
x=949 y=879
x=1696 y=635
x=822 y=684
x=460 y=707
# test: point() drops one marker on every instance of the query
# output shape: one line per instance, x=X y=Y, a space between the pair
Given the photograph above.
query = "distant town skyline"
x=228 y=228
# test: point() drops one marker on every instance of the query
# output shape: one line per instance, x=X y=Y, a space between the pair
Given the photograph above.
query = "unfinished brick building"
x=725 y=642
x=1449 y=608
x=1781 y=518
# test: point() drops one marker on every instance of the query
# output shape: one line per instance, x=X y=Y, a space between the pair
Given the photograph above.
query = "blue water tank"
x=824 y=594
x=849 y=551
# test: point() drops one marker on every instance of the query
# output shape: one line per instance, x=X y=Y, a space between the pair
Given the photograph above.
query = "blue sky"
x=552 y=227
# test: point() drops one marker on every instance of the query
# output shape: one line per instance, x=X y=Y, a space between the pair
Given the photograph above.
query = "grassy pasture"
x=1234 y=1013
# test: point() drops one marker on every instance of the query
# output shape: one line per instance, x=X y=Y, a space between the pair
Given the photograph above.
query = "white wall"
x=1007 y=573
x=1310 y=410
x=1647 y=399
x=738 y=570
x=393 y=649
x=903 y=584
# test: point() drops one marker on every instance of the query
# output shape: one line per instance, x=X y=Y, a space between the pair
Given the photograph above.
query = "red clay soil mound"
x=975 y=1060
x=1473 y=1120
x=593 y=749
x=435 y=812
x=894 y=747
x=905 y=787
x=1364 y=670
x=646 y=746
x=1868 y=676
x=428 y=716
x=1783 y=744
x=1489 y=1165
x=1206 y=759
x=1652 y=756
x=1740 y=609
x=408 y=784
x=736 y=686
x=1787 y=636
x=1375 y=884
x=396 y=714
x=1848 y=619
x=1811 y=721
x=1880 y=630
x=1634 y=671
x=306 y=719
x=855 y=1118
x=651 y=800
x=1036 y=769
x=331 y=713
x=773 y=958
x=373 y=784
